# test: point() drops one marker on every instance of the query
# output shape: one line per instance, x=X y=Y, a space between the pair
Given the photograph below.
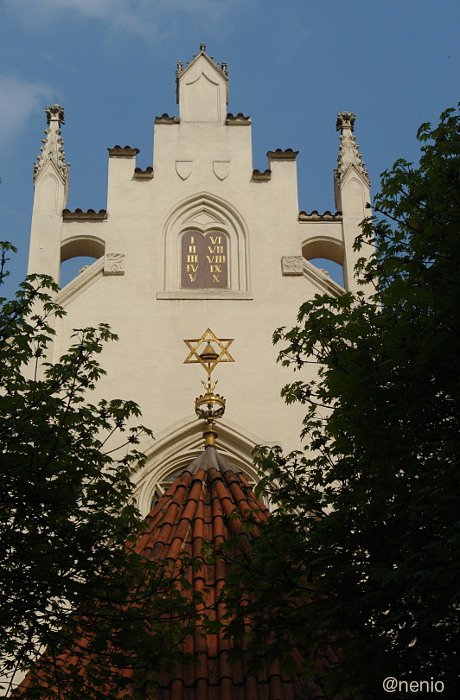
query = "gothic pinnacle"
x=53 y=145
x=349 y=154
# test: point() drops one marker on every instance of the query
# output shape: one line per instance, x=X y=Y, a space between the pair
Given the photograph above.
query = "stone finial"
x=345 y=120
x=53 y=145
x=202 y=48
x=349 y=153
x=55 y=113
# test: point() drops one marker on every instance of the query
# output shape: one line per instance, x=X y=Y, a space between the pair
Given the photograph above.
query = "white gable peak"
x=202 y=89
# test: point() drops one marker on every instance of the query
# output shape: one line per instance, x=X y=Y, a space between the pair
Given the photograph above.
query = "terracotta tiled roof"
x=206 y=505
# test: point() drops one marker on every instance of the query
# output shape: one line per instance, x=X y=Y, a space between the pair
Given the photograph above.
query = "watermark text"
x=395 y=685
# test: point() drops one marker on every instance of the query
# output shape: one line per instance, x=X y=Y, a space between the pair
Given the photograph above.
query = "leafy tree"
x=68 y=582
x=360 y=558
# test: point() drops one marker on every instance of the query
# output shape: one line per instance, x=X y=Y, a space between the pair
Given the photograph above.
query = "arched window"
x=205 y=251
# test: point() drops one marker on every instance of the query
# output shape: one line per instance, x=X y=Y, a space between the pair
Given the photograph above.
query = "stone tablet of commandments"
x=204 y=262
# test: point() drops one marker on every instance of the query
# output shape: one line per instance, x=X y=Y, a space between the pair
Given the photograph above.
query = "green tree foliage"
x=69 y=579
x=360 y=558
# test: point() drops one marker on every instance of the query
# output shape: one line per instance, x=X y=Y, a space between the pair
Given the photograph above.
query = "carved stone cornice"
x=349 y=153
x=52 y=149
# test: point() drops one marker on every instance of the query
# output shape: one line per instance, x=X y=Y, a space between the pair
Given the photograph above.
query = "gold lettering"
x=192 y=239
x=215 y=239
x=216 y=258
x=216 y=278
x=192 y=258
x=215 y=268
x=216 y=248
x=193 y=268
x=192 y=277
x=192 y=249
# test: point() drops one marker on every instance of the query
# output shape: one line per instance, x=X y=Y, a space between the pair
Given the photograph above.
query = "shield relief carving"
x=221 y=168
x=184 y=168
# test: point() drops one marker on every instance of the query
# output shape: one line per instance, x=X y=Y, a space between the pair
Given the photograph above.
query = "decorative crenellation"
x=114 y=264
x=146 y=174
x=349 y=153
x=166 y=119
x=316 y=216
x=282 y=154
x=88 y=215
x=237 y=119
x=122 y=152
x=292 y=264
x=258 y=176
x=53 y=145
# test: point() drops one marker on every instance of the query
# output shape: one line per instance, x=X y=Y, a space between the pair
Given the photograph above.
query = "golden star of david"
x=208 y=350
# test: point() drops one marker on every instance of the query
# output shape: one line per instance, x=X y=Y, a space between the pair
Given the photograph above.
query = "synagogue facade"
x=198 y=240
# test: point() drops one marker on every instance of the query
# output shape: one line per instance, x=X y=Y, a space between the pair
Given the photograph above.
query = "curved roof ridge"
x=210 y=458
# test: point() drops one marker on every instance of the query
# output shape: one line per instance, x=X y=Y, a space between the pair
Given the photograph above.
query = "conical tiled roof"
x=205 y=506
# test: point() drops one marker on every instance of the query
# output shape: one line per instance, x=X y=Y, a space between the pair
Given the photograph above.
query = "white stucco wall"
x=202 y=180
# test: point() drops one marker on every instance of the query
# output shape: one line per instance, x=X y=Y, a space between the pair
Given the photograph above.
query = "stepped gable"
x=205 y=506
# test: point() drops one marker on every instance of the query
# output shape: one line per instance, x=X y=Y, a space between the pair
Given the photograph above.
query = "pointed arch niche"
x=172 y=453
x=206 y=215
x=325 y=252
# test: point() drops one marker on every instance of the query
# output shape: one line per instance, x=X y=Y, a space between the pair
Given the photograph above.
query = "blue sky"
x=293 y=65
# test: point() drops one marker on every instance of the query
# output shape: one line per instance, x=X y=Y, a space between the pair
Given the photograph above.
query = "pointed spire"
x=349 y=154
x=53 y=145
